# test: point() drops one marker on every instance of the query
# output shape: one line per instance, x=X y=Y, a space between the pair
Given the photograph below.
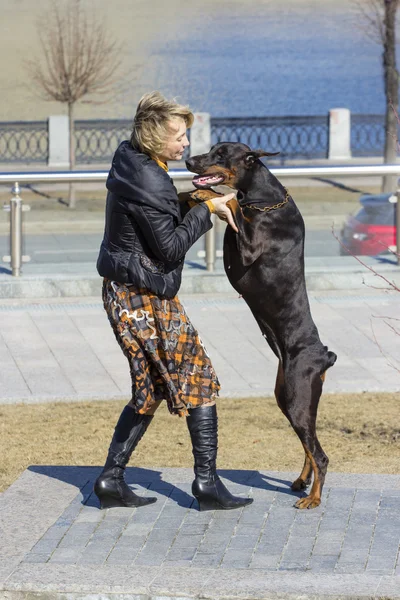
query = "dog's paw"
x=300 y=484
x=308 y=502
x=203 y=195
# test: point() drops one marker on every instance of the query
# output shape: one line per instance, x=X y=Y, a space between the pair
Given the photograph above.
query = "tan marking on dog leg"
x=303 y=479
x=314 y=498
x=203 y=195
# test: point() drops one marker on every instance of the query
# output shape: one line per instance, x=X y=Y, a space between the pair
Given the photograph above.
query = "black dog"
x=265 y=264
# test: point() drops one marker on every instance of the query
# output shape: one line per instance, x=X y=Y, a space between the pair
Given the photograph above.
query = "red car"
x=372 y=230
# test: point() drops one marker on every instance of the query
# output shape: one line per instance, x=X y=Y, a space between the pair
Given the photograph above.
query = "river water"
x=225 y=57
x=271 y=58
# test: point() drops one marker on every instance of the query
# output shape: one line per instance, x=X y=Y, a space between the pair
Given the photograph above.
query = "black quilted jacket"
x=146 y=237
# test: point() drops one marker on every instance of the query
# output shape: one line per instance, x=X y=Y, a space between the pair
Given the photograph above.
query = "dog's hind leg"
x=304 y=478
x=302 y=391
x=280 y=389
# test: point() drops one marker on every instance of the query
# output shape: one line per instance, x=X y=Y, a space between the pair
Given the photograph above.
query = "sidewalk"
x=57 y=545
x=56 y=345
x=64 y=348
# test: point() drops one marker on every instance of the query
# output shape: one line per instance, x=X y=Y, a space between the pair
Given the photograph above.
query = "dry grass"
x=360 y=433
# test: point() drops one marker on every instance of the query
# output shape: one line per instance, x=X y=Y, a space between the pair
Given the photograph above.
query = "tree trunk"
x=389 y=182
x=71 y=187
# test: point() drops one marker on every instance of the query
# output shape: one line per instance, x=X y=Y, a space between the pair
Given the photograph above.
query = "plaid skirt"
x=166 y=356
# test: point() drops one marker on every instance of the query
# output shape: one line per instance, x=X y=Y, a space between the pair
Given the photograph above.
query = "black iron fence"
x=97 y=140
x=294 y=137
x=367 y=135
x=24 y=142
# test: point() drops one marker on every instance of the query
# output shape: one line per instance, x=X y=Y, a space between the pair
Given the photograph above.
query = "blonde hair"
x=151 y=122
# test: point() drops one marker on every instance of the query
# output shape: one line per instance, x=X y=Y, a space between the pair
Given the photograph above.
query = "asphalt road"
x=84 y=247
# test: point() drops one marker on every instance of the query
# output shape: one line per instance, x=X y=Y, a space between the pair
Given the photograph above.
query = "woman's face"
x=176 y=141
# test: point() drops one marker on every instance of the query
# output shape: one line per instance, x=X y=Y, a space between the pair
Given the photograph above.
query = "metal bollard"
x=397 y=209
x=16 y=208
x=209 y=243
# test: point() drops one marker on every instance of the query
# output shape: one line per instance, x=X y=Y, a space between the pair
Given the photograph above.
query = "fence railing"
x=367 y=135
x=294 y=137
x=24 y=141
x=16 y=204
x=97 y=140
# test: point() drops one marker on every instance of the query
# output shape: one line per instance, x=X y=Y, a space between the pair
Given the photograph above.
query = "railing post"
x=16 y=208
x=209 y=246
x=58 y=141
x=200 y=134
x=397 y=209
x=16 y=231
x=339 y=134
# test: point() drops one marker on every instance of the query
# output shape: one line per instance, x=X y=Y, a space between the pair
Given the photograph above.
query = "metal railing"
x=367 y=135
x=97 y=140
x=294 y=136
x=24 y=141
x=16 y=204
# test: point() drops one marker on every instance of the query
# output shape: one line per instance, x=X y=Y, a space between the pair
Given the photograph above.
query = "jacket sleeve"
x=169 y=242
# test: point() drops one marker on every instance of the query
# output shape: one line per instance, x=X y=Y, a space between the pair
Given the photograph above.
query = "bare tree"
x=79 y=62
x=379 y=22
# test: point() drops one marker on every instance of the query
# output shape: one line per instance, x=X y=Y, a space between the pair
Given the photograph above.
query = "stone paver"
x=347 y=547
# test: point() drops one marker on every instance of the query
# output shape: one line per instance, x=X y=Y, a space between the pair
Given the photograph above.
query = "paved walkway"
x=65 y=349
x=56 y=544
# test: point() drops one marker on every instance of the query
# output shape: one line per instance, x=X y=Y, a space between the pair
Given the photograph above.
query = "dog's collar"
x=268 y=208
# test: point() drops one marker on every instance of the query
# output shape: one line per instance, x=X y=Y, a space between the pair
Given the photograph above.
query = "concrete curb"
x=195 y=281
x=52 y=222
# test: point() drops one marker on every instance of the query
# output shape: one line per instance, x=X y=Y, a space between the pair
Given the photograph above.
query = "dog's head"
x=227 y=163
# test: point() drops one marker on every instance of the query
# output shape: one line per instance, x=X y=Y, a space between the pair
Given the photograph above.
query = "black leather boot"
x=110 y=486
x=207 y=487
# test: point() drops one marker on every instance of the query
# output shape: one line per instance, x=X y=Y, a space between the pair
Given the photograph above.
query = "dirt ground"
x=359 y=432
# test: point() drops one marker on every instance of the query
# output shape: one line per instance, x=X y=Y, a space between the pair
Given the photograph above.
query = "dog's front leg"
x=189 y=199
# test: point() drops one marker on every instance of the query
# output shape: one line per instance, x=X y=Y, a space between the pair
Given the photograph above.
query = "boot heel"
x=109 y=502
x=207 y=505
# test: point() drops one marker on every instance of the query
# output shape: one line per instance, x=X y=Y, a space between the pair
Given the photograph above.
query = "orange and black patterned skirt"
x=166 y=356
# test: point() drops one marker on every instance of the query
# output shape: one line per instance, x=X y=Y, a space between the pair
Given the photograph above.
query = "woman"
x=141 y=259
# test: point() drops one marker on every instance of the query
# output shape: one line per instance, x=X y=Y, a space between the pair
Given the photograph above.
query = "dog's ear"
x=254 y=155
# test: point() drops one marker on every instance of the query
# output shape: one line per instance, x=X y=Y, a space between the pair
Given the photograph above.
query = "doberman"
x=264 y=262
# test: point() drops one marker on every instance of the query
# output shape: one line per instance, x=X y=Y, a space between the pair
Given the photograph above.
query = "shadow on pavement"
x=138 y=478
x=261 y=481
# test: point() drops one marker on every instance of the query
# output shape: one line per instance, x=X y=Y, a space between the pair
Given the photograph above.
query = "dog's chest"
x=236 y=272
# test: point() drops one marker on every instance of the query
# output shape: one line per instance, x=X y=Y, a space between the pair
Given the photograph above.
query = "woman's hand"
x=223 y=211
